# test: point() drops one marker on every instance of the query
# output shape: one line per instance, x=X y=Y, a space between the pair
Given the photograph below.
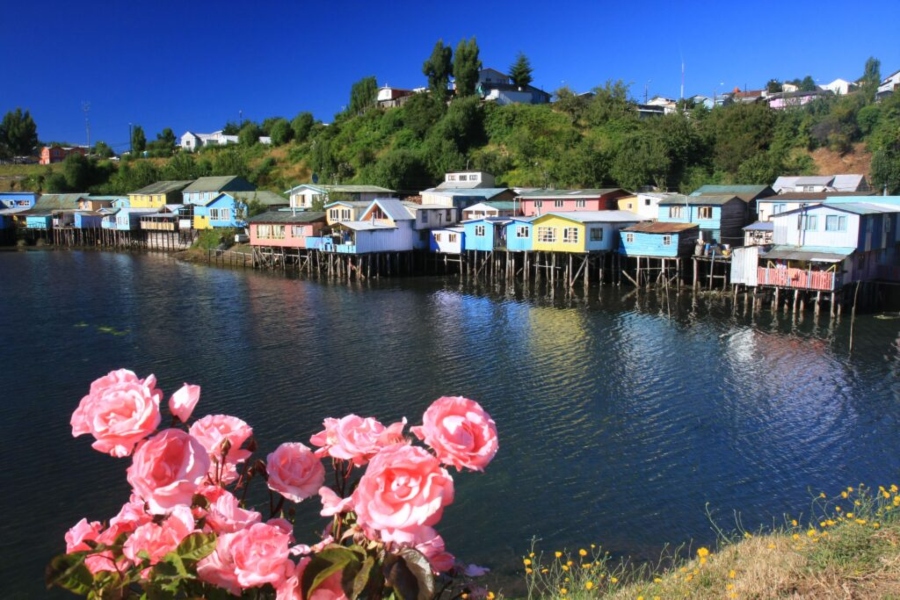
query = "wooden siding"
x=514 y=242
x=652 y=244
x=745 y=266
x=726 y=221
x=285 y=235
x=804 y=279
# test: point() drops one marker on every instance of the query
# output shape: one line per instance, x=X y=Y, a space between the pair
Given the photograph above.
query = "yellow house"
x=158 y=194
x=582 y=231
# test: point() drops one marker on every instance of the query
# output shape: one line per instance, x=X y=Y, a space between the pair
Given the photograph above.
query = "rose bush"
x=187 y=530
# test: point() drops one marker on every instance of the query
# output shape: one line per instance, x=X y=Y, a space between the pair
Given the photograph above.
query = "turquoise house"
x=657 y=239
x=519 y=234
x=486 y=234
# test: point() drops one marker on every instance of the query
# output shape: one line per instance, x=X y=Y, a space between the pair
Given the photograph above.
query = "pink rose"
x=261 y=554
x=218 y=568
x=120 y=411
x=404 y=487
x=332 y=504
x=356 y=439
x=294 y=471
x=167 y=470
x=212 y=431
x=226 y=516
x=427 y=541
x=82 y=531
x=182 y=402
x=157 y=540
x=460 y=432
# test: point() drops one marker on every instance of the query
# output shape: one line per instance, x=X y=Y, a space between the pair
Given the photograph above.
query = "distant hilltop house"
x=304 y=195
x=391 y=97
x=191 y=141
x=498 y=87
x=55 y=154
x=821 y=183
x=840 y=87
x=888 y=85
x=783 y=100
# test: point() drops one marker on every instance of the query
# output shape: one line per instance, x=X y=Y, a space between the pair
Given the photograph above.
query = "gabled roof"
x=744 y=192
x=595 y=216
x=264 y=197
x=364 y=226
x=760 y=226
x=484 y=193
x=808 y=253
x=698 y=200
x=211 y=184
x=393 y=208
x=162 y=187
x=856 y=208
x=287 y=216
x=57 y=202
x=353 y=203
x=340 y=189
x=660 y=227
x=567 y=194
x=823 y=195
x=497 y=204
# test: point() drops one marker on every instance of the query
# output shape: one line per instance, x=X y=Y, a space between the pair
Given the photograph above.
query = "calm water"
x=621 y=417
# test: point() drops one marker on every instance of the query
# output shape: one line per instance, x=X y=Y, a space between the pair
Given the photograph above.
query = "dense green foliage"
x=18 y=134
x=520 y=71
x=466 y=67
x=579 y=141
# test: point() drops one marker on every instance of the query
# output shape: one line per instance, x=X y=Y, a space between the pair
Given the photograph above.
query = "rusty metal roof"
x=660 y=227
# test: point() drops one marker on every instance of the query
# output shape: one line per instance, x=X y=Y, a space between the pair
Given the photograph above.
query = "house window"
x=297 y=231
x=278 y=232
x=570 y=235
x=423 y=217
x=809 y=222
x=334 y=214
x=345 y=214
x=778 y=209
x=676 y=212
x=479 y=231
x=667 y=240
x=629 y=238
x=546 y=234
x=437 y=237
x=647 y=202
x=263 y=232
x=522 y=231
x=704 y=212
x=580 y=204
x=452 y=238
x=538 y=203
x=835 y=223
x=219 y=214
x=558 y=204
x=596 y=234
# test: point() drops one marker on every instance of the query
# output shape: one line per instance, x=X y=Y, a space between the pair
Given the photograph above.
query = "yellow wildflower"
x=565 y=567
x=527 y=561
x=570 y=563
x=563 y=591
x=886 y=494
x=794 y=522
x=771 y=546
x=589 y=585
x=582 y=552
x=748 y=535
x=614 y=579
x=545 y=570
x=529 y=571
x=586 y=566
x=557 y=554
x=732 y=573
x=703 y=552
x=876 y=525
x=657 y=580
x=796 y=536
x=811 y=533
x=894 y=488
x=844 y=495
x=822 y=495
x=849 y=515
x=729 y=587
x=861 y=521
x=837 y=508
x=490 y=596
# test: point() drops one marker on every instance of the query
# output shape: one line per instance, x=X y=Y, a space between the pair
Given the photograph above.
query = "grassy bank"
x=848 y=548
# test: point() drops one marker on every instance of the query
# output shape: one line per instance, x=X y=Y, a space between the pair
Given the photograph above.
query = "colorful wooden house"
x=386 y=226
x=450 y=240
x=645 y=204
x=18 y=199
x=286 y=228
x=158 y=194
x=541 y=202
x=519 y=234
x=308 y=195
x=171 y=217
x=788 y=201
x=490 y=209
x=55 y=154
x=230 y=209
x=88 y=220
x=829 y=245
x=486 y=234
x=721 y=219
x=345 y=210
x=462 y=198
x=750 y=194
x=41 y=215
x=580 y=231
x=659 y=239
x=126 y=219
x=428 y=217
x=206 y=189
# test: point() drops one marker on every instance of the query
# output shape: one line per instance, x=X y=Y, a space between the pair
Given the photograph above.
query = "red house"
x=55 y=154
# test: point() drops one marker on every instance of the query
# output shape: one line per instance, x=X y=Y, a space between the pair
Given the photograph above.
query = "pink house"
x=286 y=229
x=540 y=202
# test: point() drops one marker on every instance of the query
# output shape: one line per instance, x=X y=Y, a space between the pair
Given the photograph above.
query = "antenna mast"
x=86 y=107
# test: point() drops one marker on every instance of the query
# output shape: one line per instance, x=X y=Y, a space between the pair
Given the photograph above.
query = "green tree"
x=570 y=103
x=466 y=67
x=641 y=160
x=402 y=170
x=249 y=134
x=885 y=171
x=183 y=167
x=138 y=140
x=102 y=150
x=363 y=94
x=808 y=84
x=302 y=126
x=520 y=71
x=438 y=68
x=18 y=133
x=773 y=86
x=871 y=79
x=231 y=128
x=421 y=113
x=281 y=132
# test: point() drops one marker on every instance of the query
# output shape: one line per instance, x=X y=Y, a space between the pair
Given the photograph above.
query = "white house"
x=304 y=195
x=839 y=86
x=845 y=182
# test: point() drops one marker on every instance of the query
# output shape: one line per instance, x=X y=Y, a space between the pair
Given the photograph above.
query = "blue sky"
x=194 y=64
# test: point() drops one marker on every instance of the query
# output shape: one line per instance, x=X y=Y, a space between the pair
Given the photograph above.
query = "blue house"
x=230 y=209
x=485 y=234
x=88 y=220
x=659 y=239
x=42 y=221
x=18 y=199
x=519 y=234
x=721 y=219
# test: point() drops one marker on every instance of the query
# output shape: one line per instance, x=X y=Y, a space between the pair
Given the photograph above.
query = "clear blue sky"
x=194 y=64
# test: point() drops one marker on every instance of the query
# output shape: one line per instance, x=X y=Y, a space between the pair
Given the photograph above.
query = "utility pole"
x=130 y=141
x=86 y=107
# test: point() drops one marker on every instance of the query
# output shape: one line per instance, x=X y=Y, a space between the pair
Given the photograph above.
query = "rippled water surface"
x=623 y=418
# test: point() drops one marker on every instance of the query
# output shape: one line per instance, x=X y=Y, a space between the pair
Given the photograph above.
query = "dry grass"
x=850 y=551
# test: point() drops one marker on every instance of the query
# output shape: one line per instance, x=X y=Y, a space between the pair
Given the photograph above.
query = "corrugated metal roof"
x=699 y=200
x=287 y=216
x=797 y=196
x=210 y=184
x=162 y=187
x=596 y=216
x=265 y=197
x=363 y=225
x=808 y=253
x=815 y=180
x=394 y=209
x=734 y=190
x=660 y=227
x=564 y=194
x=355 y=203
x=484 y=193
x=760 y=226
x=339 y=188
x=57 y=202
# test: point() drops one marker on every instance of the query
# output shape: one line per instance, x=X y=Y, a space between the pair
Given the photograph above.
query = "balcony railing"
x=804 y=279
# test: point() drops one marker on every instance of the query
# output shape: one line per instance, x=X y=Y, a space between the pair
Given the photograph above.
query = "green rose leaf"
x=68 y=572
x=329 y=561
x=409 y=574
x=196 y=546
